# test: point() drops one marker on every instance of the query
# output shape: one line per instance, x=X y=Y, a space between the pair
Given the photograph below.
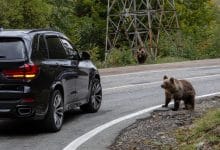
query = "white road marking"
x=156 y=82
x=82 y=139
x=159 y=70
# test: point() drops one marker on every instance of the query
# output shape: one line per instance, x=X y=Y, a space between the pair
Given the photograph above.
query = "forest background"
x=84 y=22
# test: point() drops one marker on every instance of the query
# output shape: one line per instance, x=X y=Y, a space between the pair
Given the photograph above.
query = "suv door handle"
x=57 y=64
x=72 y=67
x=75 y=75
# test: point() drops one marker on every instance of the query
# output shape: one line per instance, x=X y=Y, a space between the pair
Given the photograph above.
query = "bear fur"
x=141 y=55
x=178 y=90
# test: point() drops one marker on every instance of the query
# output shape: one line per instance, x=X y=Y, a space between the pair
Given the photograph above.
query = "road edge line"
x=85 y=137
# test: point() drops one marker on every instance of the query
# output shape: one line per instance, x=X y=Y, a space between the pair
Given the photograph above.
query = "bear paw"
x=164 y=105
x=174 y=109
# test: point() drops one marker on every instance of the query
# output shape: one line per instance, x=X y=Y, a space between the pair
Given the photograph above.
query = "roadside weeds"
x=167 y=129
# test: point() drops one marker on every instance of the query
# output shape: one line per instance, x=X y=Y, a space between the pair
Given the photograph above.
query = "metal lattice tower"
x=139 y=23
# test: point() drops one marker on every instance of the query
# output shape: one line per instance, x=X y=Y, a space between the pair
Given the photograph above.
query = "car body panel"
x=72 y=76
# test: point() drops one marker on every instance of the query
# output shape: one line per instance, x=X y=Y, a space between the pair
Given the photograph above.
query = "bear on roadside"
x=141 y=55
x=178 y=90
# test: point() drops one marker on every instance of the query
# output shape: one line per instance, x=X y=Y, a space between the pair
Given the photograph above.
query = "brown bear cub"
x=141 y=55
x=178 y=90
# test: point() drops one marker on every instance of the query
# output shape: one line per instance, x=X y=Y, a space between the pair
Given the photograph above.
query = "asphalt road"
x=123 y=94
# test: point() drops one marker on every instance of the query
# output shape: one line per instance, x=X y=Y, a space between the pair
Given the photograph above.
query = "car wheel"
x=95 y=97
x=54 y=118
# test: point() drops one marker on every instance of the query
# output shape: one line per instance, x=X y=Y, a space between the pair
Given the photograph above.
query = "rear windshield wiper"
x=2 y=56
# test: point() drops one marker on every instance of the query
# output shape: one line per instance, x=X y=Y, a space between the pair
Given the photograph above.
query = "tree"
x=197 y=19
x=36 y=13
x=10 y=14
x=90 y=25
x=24 y=14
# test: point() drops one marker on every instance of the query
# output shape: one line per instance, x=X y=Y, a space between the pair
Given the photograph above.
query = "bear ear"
x=165 y=77
x=172 y=80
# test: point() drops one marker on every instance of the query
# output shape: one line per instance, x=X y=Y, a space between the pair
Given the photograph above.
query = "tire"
x=95 y=97
x=55 y=114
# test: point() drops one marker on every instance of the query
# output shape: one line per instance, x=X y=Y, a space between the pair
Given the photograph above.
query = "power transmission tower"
x=139 y=24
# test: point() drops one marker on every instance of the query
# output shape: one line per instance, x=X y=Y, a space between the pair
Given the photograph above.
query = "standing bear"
x=178 y=90
x=141 y=55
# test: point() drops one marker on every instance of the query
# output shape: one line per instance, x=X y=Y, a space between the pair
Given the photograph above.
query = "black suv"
x=42 y=75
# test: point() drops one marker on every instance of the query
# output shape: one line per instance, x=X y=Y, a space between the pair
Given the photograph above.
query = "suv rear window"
x=12 y=48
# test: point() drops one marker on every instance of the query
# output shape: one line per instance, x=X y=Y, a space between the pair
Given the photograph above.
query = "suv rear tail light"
x=27 y=71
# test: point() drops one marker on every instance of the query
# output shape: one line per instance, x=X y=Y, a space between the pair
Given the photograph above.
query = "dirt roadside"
x=156 y=131
x=152 y=133
x=139 y=68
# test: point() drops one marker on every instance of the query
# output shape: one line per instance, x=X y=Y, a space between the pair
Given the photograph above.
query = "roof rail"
x=37 y=30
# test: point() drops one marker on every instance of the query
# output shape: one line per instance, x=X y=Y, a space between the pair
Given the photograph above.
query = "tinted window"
x=55 y=47
x=69 y=49
x=12 y=49
x=39 y=48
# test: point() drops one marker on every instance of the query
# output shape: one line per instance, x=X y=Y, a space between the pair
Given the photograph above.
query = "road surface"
x=125 y=91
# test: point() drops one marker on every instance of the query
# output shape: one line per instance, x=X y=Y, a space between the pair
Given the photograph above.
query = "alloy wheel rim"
x=96 y=96
x=58 y=110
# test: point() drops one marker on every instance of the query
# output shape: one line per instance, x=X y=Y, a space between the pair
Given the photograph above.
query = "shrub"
x=120 y=57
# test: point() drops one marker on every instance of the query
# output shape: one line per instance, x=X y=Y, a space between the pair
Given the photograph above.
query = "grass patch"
x=123 y=62
x=204 y=131
x=167 y=59
x=170 y=59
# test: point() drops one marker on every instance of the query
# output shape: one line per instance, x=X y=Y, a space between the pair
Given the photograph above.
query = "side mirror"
x=85 y=56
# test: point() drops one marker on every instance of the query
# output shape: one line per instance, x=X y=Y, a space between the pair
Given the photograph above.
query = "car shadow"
x=77 y=113
x=18 y=128
x=72 y=115
x=31 y=127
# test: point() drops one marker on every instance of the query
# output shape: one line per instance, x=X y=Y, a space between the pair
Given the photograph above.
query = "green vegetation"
x=204 y=131
x=170 y=59
x=84 y=21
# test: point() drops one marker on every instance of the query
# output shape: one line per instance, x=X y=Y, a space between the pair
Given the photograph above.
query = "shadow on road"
x=31 y=127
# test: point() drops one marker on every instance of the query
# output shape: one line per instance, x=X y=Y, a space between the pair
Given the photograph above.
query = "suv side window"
x=70 y=49
x=55 y=47
x=39 y=50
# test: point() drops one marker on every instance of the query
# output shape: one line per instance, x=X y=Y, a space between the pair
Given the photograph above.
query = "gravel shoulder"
x=139 y=68
x=156 y=131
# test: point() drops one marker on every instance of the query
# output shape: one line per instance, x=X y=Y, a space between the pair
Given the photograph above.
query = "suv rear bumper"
x=19 y=111
x=25 y=102
x=14 y=109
